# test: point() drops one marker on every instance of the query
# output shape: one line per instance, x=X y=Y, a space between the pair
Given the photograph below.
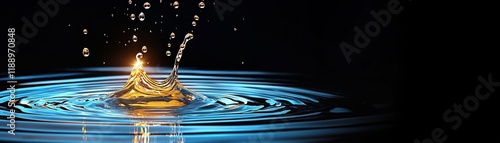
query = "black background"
x=428 y=58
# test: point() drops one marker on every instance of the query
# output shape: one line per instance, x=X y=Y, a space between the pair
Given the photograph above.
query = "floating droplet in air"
x=172 y=35
x=201 y=5
x=129 y=1
x=235 y=29
x=193 y=23
x=85 y=31
x=169 y=45
x=138 y=56
x=196 y=17
x=132 y=16
x=168 y=53
x=134 y=38
x=147 y=5
x=144 y=49
x=85 y=52
x=142 y=16
x=176 y=5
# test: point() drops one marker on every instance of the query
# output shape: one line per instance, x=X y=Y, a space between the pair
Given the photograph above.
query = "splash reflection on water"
x=243 y=106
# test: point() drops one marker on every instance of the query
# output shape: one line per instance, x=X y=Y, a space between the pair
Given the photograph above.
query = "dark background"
x=428 y=58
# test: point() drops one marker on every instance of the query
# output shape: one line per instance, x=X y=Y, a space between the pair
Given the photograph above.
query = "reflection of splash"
x=142 y=91
x=84 y=130
x=146 y=130
x=141 y=133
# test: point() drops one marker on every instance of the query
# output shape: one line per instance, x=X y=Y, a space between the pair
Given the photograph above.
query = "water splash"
x=142 y=91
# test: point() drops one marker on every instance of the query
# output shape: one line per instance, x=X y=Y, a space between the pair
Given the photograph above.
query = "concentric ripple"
x=242 y=106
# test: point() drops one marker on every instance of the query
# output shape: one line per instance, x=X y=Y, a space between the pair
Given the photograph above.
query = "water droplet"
x=161 y=16
x=134 y=38
x=85 y=31
x=106 y=42
x=138 y=56
x=193 y=23
x=176 y=5
x=104 y=34
x=144 y=49
x=235 y=29
x=128 y=41
x=142 y=16
x=129 y=1
x=176 y=15
x=103 y=63
x=123 y=31
x=196 y=17
x=172 y=35
x=85 y=52
x=169 y=45
x=132 y=16
x=125 y=44
x=147 y=5
x=242 y=62
x=69 y=25
x=201 y=5
x=161 y=1
x=168 y=53
x=178 y=59
x=182 y=46
x=150 y=31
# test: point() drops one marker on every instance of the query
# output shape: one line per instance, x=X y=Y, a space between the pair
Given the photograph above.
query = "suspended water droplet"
x=104 y=34
x=132 y=16
x=176 y=15
x=235 y=29
x=196 y=17
x=146 y=5
x=150 y=31
x=142 y=16
x=242 y=62
x=161 y=1
x=69 y=25
x=168 y=53
x=172 y=35
x=129 y=1
x=201 y=5
x=176 y=4
x=134 y=38
x=85 y=52
x=139 y=56
x=182 y=46
x=85 y=31
x=144 y=49
x=193 y=23
x=112 y=15
x=161 y=16
x=169 y=45
x=128 y=41
x=125 y=44
x=106 y=42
